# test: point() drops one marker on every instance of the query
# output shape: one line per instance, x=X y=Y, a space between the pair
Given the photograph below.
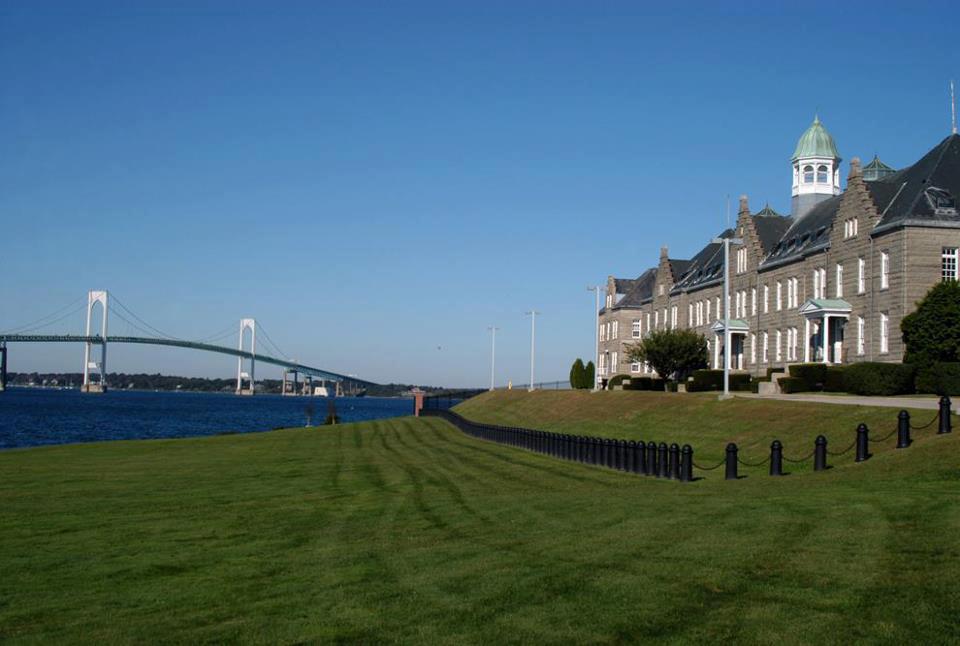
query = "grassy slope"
x=406 y=530
x=698 y=419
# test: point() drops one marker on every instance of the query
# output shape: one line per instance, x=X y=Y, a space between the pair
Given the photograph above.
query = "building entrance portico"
x=738 y=335
x=824 y=323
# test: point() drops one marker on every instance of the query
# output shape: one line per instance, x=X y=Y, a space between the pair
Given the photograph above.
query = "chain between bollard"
x=925 y=426
x=754 y=464
x=884 y=438
x=716 y=466
x=846 y=450
x=803 y=459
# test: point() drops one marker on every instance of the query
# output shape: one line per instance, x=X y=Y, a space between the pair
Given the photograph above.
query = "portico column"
x=716 y=350
x=825 y=336
x=806 y=340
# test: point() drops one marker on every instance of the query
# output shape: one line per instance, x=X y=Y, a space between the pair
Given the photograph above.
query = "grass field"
x=407 y=531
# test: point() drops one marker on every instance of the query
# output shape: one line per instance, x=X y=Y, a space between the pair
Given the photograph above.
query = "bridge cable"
x=134 y=315
x=77 y=305
x=274 y=345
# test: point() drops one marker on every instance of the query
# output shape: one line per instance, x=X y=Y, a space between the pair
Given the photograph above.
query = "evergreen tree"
x=577 y=374
x=932 y=333
x=590 y=375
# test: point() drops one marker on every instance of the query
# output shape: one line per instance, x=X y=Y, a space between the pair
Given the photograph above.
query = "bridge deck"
x=193 y=345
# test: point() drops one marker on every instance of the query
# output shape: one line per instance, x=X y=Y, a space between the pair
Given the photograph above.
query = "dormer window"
x=822 y=174
x=808 y=174
x=941 y=201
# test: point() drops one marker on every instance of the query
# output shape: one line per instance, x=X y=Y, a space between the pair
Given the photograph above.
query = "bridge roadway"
x=193 y=345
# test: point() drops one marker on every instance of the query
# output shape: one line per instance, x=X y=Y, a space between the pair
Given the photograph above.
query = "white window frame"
x=766 y=347
x=613 y=362
x=634 y=367
x=718 y=308
x=779 y=301
x=777 y=350
x=637 y=330
x=616 y=330
x=884 y=270
x=861 y=330
x=861 y=275
x=673 y=317
x=949 y=263
x=838 y=290
x=753 y=301
x=766 y=299
x=753 y=348
x=603 y=332
x=884 y=333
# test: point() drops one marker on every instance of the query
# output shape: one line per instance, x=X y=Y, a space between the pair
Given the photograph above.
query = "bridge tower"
x=99 y=367
x=3 y=366
x=247 y=324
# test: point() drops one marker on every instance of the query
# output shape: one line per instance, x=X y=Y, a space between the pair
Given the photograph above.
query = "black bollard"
x=903 y=430
x=622 y=455
x=640 y=459
x=945 y=423
x=663 y=458
x=653 y=468
x=686 y=463
x=776 y=458
x=820 y=454
x=604 y=452
x=863 y=443
x=731 y=462
x=612 y=454
x=616 y=454
x=675 y=461
x=629 y=453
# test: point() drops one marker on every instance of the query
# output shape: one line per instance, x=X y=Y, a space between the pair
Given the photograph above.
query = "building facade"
x=829 y=283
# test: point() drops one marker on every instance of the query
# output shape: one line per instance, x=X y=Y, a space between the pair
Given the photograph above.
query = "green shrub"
x=639 y=383
x=755 y=386
x=873 y=378
x=578 y=374
x=659 y=385
x=939 y=379
x=813 y=375
x=834 y=380
x=792 y=385
x=616 y=380
x=741 y=383
x=704 y=380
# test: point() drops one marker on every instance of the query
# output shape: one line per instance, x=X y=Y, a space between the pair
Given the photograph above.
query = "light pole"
x=596 y=335
x=533 y=336
x=493 y=353
x=726 y=310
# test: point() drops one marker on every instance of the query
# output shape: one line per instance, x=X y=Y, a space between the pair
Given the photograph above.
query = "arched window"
x=821 y=174
x=808 y=174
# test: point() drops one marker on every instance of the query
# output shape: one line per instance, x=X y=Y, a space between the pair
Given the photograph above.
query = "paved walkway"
x=926 y=403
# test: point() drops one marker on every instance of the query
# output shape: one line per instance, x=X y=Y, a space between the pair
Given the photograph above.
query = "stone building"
x=829 y=283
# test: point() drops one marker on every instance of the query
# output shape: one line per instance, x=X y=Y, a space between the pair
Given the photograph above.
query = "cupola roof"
x=876 y=169
x=816 y=142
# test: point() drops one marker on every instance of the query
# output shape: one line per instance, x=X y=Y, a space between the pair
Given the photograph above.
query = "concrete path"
x=924 y=403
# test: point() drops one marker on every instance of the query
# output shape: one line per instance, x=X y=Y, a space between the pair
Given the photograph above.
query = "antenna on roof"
x=953 y=110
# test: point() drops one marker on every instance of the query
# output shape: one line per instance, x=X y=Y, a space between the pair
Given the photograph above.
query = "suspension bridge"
x=95 y=340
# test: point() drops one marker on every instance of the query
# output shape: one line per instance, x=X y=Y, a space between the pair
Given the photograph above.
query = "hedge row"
x=704 y=380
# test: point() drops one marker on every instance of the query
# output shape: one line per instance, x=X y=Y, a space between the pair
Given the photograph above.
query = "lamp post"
x=596 y=335
x=726 y=310
x=533 y=335
x=493 y=353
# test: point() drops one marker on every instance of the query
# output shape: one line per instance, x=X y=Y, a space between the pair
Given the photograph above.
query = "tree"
x=674 y=354
x=578 y=374
x=590 y=375
x=932 y=332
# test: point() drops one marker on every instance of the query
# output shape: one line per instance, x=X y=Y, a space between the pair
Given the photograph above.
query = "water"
x=32 y=417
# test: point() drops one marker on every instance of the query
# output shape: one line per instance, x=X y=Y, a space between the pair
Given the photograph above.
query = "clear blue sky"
x=378 y=182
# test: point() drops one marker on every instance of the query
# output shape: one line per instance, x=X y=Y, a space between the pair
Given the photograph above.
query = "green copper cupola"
x=816 y=169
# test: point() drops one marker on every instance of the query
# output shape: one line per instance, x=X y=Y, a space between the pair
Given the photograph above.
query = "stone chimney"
x=744 y=205
x=663 y=253
x=855 y=169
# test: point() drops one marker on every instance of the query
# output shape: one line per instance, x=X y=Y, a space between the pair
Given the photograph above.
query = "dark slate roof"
x=770 y=227
x=705 y=268
x=641 y=291
x=623 y=285
x=925 y=194
x=679 y=268
x=806 y=234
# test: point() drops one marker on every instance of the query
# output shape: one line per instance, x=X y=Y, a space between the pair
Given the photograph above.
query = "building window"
x=839 y=289
x=708 y=311
x=656 y=319
x=741 y=260
x=609 y=300
x=948 y=263
x=718 y=308
x=884 y=333
x=613 y=363
x=665 y=318
x=766 y=343
x=766 y=299
x=636 y=329
x=673 y=317
x=736 y=304
x=648 y=323
x=661 y=290
x=822 y=174
x=603 y=332
x=753 y=348
x=634 y=367
x=777 y=346
x=793 y=291
x=792 y=336
x=850 y=228
x=753 y=301
x=616 y=330
x=861 y=275
x=603 y=364
x=779 y=296
x=861 y=328
x=808 y=174
x=884 y=270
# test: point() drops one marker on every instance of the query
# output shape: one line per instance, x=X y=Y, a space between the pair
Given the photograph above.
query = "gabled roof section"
x=806 y=234
x=641 y=290
x=770 y=227
x=679 y=268
x=623 y=285
x=705 y=268
x=925 y=194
